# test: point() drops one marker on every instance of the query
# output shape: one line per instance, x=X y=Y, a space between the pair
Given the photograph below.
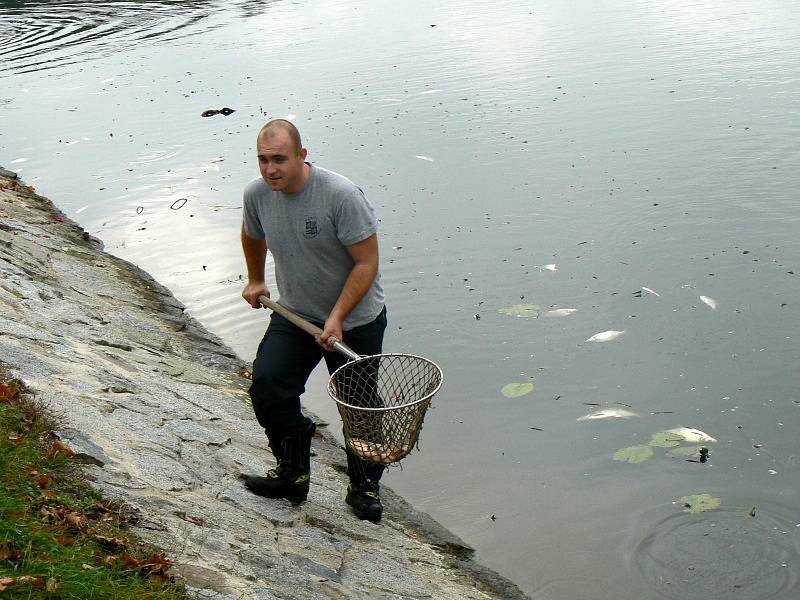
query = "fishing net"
x=382 y=400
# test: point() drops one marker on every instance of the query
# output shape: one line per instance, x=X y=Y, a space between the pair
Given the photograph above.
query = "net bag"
x=382 y=400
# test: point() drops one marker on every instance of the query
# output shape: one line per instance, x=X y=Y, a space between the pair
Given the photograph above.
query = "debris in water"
x=649 y=291
x=222 y=111
x=703 y=454
x=605 y=336
x=427 y=158
x=179 y=203
x=551 y=267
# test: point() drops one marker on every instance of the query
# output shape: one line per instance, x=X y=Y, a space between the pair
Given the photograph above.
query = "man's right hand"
x=253 y=290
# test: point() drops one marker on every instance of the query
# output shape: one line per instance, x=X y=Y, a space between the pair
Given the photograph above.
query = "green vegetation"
x=699 y=503
x=58 y=538
x=633 y=454
x=515 y=390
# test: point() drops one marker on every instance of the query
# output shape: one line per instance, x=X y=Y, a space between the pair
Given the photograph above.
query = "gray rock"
x=86 y=450
x=153 y=405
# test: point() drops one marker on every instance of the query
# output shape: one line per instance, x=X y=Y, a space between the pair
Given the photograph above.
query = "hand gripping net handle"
x=382 y=400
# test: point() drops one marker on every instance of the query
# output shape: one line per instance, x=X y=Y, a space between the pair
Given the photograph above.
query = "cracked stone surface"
x=156 y=409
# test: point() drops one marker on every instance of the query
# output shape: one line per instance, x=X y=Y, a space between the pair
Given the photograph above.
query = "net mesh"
x=382 y=400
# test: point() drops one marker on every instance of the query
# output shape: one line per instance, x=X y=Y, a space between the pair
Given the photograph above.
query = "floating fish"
x=552 y=267
x=649 y=291
x=608 y=413
x=560 y=312
x=428 y=158
x=426 y=92
x=605 y=336
x=708 y=300
x=692 y=435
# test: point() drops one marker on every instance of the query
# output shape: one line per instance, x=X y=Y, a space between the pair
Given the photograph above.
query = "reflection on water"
x=41 y=34
x=626 y=166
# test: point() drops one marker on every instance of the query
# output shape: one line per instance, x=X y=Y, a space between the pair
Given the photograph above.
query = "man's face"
x=281 y=164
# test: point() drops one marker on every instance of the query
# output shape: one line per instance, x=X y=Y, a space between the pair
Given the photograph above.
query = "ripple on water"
x=722 y=553
x=35 y=36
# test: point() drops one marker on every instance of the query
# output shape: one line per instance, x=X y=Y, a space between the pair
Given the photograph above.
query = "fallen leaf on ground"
x=59 y=447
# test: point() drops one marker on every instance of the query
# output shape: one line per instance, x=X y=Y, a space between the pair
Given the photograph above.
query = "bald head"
x=276 y=125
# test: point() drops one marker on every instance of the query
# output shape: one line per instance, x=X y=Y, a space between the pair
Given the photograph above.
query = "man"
x=322 y=233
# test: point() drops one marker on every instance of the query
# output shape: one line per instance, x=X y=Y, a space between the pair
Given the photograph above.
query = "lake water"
x=558 y=154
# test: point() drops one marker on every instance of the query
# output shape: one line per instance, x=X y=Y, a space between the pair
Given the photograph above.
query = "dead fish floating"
x=692 y=435
x=647 y=290
x=710 y=302
x=222 y=111
x=608 y=413
x=606 y=336
x=560 y=312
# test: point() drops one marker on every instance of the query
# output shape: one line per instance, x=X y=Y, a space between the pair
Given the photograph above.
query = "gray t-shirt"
x=308 y=233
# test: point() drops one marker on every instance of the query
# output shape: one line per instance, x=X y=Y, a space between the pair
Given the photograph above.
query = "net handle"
x=309 y=328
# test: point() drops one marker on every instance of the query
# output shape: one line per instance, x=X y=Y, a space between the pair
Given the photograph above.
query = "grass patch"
x=58 y=537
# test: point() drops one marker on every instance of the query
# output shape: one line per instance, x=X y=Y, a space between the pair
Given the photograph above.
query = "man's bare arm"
x=255 y=255
x=362 y=275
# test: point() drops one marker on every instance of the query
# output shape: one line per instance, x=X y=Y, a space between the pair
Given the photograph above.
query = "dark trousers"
x=285 y=359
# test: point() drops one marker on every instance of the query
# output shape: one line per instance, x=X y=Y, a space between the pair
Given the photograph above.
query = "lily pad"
x=699 y=503
x=685 y=452
x=522 y=310
x=666 y=439
x=633 y=454
x=515 y=390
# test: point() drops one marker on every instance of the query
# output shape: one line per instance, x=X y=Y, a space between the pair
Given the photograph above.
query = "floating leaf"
x=515 y=390
x=633 y=454
x=522 y=310
x=666 y=439
x=685 y=452
x=699 y=503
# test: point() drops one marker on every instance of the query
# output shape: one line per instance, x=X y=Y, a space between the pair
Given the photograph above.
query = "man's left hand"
x=332 y=329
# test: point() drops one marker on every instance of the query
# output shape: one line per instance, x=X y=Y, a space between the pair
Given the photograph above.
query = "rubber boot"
x=290 y=479
x=363 y=492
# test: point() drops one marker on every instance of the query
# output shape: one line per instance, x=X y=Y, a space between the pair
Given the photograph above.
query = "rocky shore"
x=157 y=409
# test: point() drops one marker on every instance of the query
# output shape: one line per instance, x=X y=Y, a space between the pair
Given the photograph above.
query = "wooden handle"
x=309 y=328
x=290 y=316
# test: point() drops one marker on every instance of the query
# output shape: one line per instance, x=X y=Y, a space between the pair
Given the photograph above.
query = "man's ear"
x=303 y=153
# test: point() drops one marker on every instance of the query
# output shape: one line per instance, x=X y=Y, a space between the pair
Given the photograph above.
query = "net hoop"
x=370 y=392
x=335 y=396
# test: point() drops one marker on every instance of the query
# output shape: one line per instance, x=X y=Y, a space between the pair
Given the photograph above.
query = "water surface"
x=628 y=144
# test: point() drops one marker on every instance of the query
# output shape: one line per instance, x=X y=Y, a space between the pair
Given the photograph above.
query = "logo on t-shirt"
x=311 y=229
